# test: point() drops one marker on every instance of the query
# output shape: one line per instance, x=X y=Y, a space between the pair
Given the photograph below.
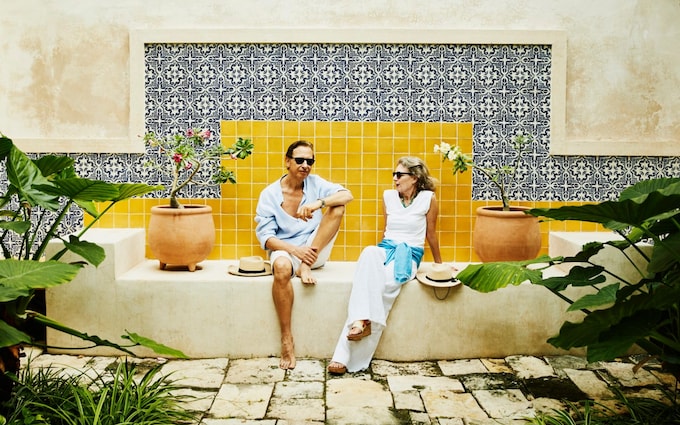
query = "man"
x=292 y=226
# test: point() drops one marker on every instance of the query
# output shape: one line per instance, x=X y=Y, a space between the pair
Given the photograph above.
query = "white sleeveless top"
x=407 y=224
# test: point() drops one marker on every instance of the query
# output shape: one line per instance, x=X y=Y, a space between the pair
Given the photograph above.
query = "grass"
x=121 y=397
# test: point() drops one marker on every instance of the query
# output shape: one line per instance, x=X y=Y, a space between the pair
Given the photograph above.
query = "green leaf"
x=26 y=178
x=130 y=190
x=91 y=252
x=155 y=346
x=19 y=227
x=618 y=215
x=605 y=296
x=51 y=164
x=577 y=276
x=645 y=187
x=665 y=254
x=9 y=335
x=83 y=189
x=489 y=277
x=35 y=274
x=5 y=146
x=12 y=294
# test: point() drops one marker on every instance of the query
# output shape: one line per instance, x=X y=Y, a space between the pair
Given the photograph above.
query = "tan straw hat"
x=251 y=266
x=439 y=275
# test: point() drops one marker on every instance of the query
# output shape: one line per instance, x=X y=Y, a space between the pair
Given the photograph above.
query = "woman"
x=410 y=211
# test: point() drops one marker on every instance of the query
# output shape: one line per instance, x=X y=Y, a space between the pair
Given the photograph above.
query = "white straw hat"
x=251 y=266
x=439 y=275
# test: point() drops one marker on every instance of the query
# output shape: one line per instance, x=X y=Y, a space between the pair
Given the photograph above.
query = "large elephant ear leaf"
x=28 y=181
x=91 y=252
x=36 y=274
x=50 y=165
x=83 y=189
x=5 y=146
x=130 y=190
x=9 y=335
x=645 y=187
x=488 y=277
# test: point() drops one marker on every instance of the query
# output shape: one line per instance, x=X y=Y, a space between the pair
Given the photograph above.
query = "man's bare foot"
x=287 y=354
x=305 y=273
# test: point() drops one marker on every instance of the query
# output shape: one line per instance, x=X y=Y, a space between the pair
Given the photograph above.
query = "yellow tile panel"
x=358 y=155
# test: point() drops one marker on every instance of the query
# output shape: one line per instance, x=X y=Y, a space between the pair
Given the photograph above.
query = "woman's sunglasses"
x=299 y=161
x=398 y=174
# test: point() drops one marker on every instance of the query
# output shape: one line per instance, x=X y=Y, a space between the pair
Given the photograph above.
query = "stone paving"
x=445 y=392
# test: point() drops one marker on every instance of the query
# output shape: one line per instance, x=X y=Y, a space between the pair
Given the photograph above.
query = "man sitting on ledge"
x=298 y=236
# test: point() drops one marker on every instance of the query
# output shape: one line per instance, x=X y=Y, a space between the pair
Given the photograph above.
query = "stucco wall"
x=65 y=65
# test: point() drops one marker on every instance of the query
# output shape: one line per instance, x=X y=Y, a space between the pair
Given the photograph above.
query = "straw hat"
x=251 y=266
x=439 y=275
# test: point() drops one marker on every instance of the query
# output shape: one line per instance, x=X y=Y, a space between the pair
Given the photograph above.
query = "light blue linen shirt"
x=273 y=221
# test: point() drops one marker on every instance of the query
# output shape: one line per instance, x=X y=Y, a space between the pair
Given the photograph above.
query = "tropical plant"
x=126 y=394
x=39 y=194
x=621 y=311
x=183 y=155
x=500 y=176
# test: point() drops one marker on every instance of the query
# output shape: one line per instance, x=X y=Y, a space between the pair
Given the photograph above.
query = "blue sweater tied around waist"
x=403 y=255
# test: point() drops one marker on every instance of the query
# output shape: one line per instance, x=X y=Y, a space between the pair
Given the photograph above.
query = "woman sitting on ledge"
x=410 y=211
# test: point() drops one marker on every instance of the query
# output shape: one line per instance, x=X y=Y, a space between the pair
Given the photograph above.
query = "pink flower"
x=188 y=165
x=233 y=156
x=205 y=134
x=177 y=157
x=190 y=132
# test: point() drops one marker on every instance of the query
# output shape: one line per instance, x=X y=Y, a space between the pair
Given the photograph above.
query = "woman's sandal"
x=364 y=327
x=336 y=368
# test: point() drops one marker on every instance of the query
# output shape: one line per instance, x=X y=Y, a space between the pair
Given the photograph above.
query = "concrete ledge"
x=210 y=313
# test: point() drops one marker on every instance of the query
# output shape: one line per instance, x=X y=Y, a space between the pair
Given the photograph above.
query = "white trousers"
x=374 y=291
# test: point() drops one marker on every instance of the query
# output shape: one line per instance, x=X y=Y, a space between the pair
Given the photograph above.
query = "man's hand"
x=306 y=254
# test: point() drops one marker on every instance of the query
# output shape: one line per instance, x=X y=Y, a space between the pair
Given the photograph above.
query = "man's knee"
x=282 y=269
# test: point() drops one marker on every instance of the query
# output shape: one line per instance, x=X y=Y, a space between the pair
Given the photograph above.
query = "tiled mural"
x=501 y=89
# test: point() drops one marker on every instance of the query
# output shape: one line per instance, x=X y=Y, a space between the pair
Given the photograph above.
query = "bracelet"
x=323 y=202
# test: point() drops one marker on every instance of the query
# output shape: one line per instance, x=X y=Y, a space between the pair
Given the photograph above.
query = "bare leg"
x=283 y=295
x=328 y=228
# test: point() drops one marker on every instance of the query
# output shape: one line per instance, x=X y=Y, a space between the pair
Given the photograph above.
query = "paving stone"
x=559 y=363
x=238 y=421
x=408 y=400
x=419 y=418
x=547 y=405
x=500 y=404
x=451 y=421
x=203 y=373
x=590 y=383
x=496 y=365
x=450 y=404
x=529 y=366
x=195 y=400
x=353 y=392
x=490 y=381
x=297 y=410
x=254 y=371
x=555 y=388
x=624 y=374
x=361 y=416
x=462 y=367
x=385 y=368
x=308 y=370
x=247 y=401
x=413 y=382
x=298 y=390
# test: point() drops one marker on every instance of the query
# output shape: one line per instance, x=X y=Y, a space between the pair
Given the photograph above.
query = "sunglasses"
x=398 y=174
x=299 y=161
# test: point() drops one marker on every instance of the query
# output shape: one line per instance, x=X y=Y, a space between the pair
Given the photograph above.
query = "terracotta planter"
x=181 y=236
x=506 y=235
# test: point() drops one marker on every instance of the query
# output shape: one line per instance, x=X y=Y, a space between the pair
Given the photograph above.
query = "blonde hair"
x=420 y=171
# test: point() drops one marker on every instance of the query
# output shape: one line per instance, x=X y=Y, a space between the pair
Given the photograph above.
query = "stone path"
x=446 y=392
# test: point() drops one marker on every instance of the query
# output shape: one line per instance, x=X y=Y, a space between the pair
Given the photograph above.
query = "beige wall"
x=64 y=65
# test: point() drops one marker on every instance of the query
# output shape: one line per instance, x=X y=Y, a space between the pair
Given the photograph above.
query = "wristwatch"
x=323 y=202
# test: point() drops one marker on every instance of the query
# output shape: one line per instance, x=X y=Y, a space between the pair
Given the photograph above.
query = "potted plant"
x=38 y=194
x=505 y=232
x=620 y=311
x=184 y=235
